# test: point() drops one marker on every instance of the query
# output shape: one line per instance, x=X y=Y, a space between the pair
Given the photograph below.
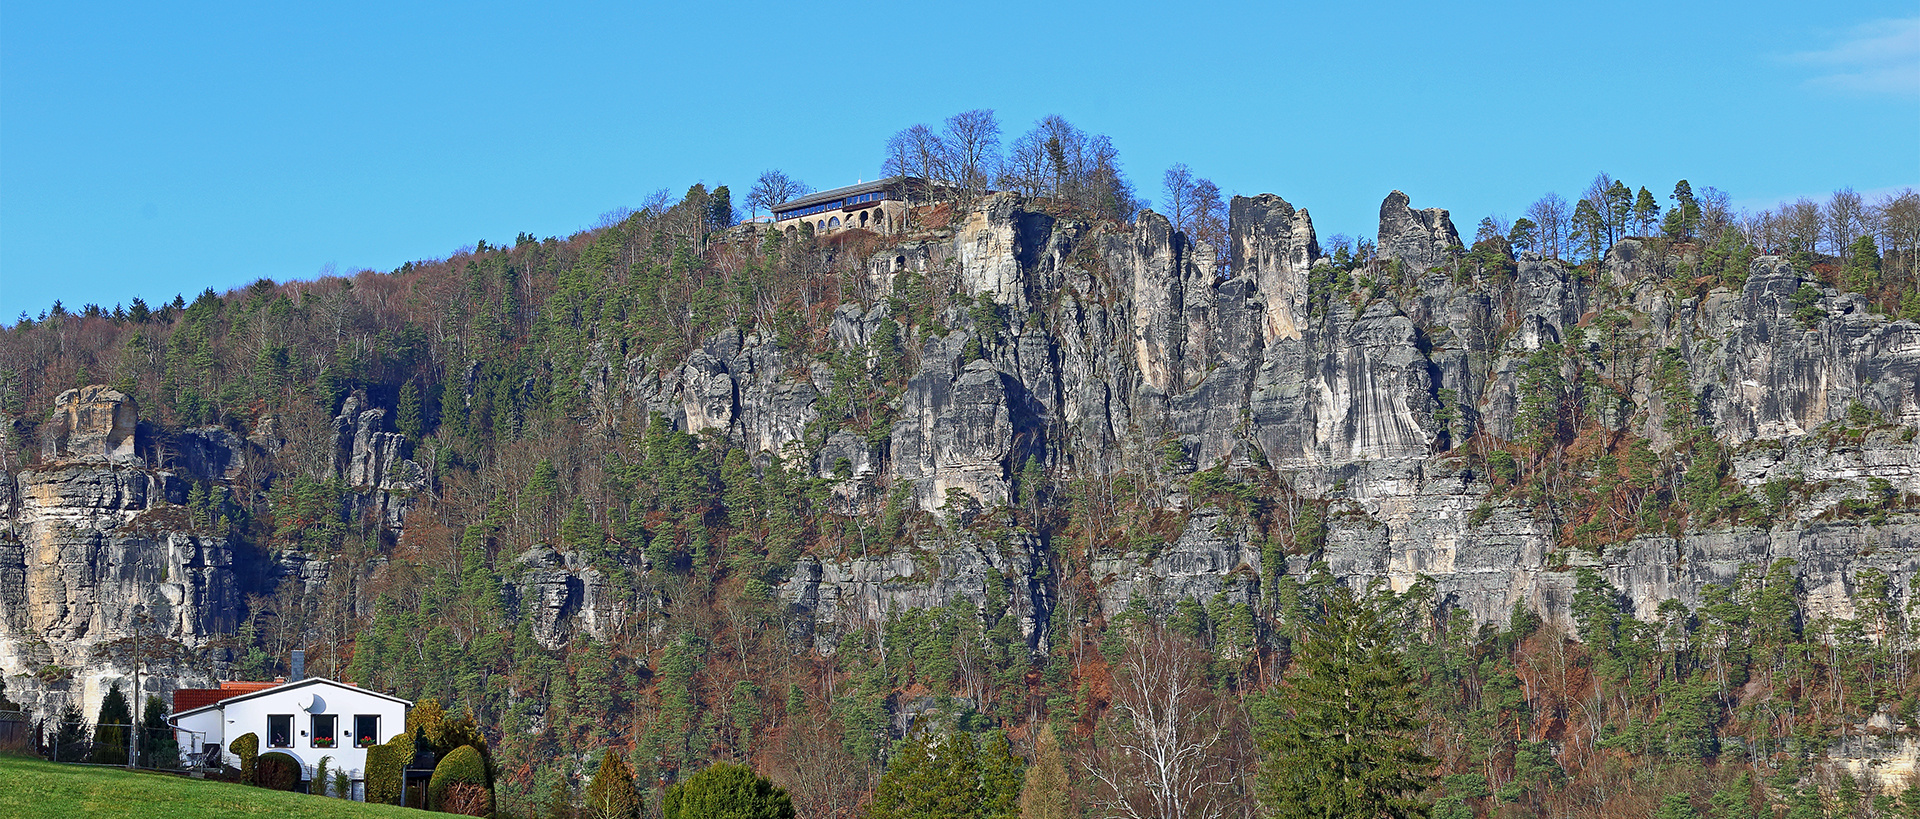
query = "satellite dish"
x=313 y=703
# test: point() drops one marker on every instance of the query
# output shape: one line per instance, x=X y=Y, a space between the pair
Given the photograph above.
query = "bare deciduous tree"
x=918 y=152
x=1897 y=223
x=1210 y=222
x=972 y=142
x=1163 y=749
x=1550 y=214
x=1177 y=185
x=1802 y=223
x=772 y=188
x=1845 y=220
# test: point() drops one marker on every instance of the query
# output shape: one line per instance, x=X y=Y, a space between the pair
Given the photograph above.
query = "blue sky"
x=152 y=149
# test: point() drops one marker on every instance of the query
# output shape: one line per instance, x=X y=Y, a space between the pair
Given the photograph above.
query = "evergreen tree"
x=1348 y=745
x=1734 y=800
x=1684 y=218
x=112 y=729
x=949 y=776
x=70 y=739
x=726 y=791
x=612 y=795
x=1645 y=211
x=1675 y=805
x=159 y=748
x=412 y=420
x=1589 y=230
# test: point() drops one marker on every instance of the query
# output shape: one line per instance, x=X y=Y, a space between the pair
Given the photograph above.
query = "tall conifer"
x=1347 y=746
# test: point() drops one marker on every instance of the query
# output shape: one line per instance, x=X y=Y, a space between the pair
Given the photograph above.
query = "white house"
x=310 y=719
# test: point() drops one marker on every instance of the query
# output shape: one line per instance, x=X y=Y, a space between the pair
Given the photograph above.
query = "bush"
x=247 y=747
x=726 y=791
x=384 y=765
x=277 y=771
x=466 y=765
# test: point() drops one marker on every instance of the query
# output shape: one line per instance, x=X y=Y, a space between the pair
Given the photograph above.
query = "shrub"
x=467 y=799
x=384 y=765
x=466 y=765
x=726 y=791
x=277 y=771
x=247 y=747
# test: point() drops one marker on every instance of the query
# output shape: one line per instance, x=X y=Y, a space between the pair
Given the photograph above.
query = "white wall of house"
x=299 y=703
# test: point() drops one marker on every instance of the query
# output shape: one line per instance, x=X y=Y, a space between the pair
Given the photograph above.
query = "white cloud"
x=1881 y=57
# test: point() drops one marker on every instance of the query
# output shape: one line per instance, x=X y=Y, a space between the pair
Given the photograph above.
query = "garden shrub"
x=465 y=764
x=247 y=747
x=276 y=771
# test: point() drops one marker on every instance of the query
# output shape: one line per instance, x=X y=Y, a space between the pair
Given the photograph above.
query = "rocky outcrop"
x=100 y=563
x=1419 y=239
x=92 y=424
x=369 y=462
x=562 y=596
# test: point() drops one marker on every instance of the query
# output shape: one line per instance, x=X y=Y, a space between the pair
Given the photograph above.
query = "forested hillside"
x=1628 y=487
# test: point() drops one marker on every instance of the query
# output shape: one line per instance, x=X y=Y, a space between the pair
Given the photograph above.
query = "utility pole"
x=133 y=731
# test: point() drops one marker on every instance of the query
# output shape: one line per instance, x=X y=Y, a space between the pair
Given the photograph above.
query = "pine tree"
x=1348 y=747
x=1645 y=211
x=1676 y=806
x=1734 y=800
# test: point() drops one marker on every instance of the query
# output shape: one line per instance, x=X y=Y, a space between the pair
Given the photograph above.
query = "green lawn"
x=34 y=788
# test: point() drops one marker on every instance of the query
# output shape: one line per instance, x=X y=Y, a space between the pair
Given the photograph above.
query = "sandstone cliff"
x=1121 y=357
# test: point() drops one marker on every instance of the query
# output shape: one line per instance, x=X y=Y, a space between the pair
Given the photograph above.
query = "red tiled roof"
x=187 y=699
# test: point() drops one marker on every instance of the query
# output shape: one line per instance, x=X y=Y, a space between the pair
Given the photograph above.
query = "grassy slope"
x=31 y=788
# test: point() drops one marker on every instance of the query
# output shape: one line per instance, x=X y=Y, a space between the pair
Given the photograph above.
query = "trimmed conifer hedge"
x=385 y=764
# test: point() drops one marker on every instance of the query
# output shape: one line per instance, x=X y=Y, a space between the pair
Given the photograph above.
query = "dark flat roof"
x=839 y=193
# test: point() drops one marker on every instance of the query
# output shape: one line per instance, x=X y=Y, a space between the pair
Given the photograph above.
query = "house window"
x=366 y=730
x=325 y=732
x=279 y=730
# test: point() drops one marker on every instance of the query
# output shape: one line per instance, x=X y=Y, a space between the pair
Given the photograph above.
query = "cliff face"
x=1138 y=357
x=1118 y=356
x=99 y=549
x=105 y=558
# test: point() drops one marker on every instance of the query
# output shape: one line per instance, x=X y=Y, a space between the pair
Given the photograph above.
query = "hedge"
x=465 y=764
x=277 y=771
x=385 y=763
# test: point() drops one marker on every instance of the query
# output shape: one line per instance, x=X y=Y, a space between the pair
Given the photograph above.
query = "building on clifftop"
x=879 y=206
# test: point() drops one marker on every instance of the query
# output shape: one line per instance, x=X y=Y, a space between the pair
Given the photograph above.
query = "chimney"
x=298 y=671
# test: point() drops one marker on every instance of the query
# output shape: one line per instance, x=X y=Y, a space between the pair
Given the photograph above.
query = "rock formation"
x=1096 y=352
